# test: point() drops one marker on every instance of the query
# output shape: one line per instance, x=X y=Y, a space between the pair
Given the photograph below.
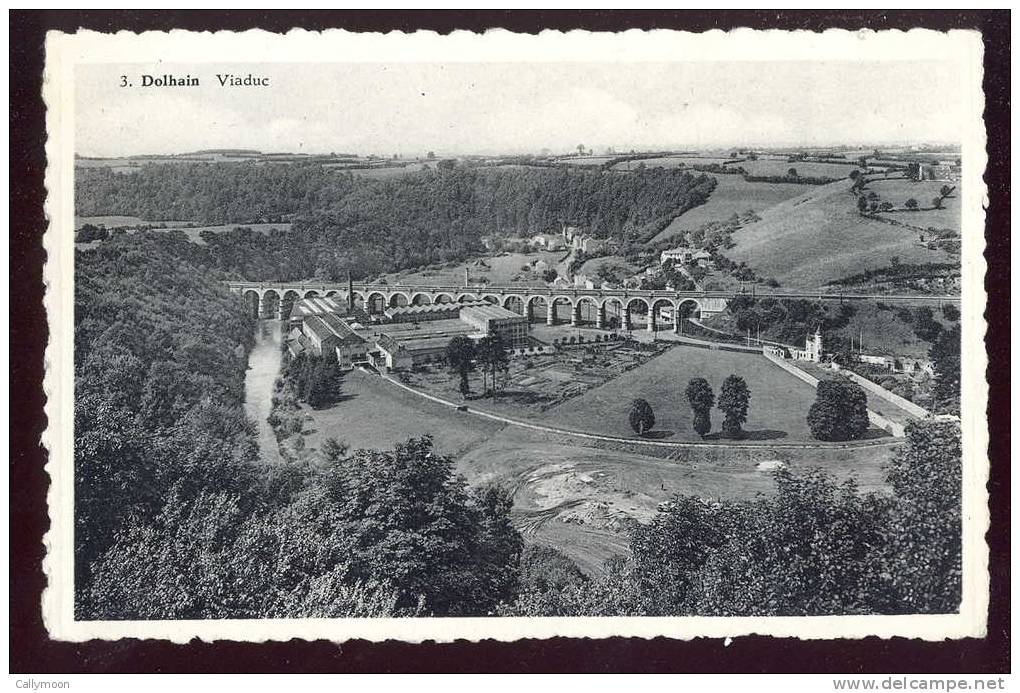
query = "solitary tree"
x=699 y=394
x=792 y=173
x=734 y=397
x=912 y=204
x=460 y=354
x=936 y=202
x=862 y=204
x=642 y=418
x=840 y=411
x=946 y=190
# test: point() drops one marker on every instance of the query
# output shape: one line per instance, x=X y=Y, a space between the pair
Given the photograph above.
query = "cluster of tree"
x=872 y=203
x=90 y=232
x=342 y=221
x=175 y=516
x=316 y=378
x=839 y=412
x=786 y=320
x=899 y=272
x=815 y=547
x=734 y=399
x=489 y=354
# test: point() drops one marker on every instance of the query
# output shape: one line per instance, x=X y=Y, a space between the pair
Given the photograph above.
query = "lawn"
x=779 y=402
x=810 y=240
x=376 y=414
x=732 y=195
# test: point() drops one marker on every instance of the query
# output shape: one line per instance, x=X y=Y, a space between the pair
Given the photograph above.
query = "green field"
x=817 y=237
x=899 y=190
x=779 y=402
x=732 y=195
x=780 y=167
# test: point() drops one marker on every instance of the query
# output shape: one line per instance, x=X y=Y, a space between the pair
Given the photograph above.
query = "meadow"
x=818 y=237
x=780 y=167
x=732 y=195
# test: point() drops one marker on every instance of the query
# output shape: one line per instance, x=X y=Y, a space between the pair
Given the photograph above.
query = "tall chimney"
x=350 y=293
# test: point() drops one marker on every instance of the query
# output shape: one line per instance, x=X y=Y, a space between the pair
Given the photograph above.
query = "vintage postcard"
x=496 y=335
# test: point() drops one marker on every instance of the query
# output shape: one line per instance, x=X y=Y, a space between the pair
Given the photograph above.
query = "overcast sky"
x=468 y=108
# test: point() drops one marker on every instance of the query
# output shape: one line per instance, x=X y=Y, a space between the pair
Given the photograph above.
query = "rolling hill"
x=818 y=236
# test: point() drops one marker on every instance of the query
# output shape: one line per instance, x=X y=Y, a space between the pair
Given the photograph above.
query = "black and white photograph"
x=413 y=336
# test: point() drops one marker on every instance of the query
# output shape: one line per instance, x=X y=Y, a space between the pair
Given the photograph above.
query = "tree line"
x=341 y=221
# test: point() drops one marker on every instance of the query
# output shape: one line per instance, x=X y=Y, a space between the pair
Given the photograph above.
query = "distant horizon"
x=597 y=151
x=491 y=109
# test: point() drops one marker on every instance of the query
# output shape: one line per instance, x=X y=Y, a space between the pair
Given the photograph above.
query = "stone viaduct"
x=586 y=306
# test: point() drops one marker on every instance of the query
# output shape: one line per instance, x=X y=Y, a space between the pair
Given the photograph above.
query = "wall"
x=892 y=397
x=875 y=418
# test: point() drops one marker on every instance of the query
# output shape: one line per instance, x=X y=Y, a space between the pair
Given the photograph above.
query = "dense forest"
x=177 y=517
x=342 y=221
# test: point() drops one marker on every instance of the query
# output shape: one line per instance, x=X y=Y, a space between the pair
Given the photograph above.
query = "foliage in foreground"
x=174 y=515
x=816 y=547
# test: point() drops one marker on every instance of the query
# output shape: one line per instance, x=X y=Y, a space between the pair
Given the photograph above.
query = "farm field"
x=778 y=409
x=670 y=162
x=899 y=190
x=817 y=237
x=732 y=195
x=780 y=167
x=585 y=160
x=498 y=269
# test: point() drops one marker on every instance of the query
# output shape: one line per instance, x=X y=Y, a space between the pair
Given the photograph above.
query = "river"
x=263 y=367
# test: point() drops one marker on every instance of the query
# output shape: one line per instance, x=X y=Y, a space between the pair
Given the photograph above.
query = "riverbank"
x=263 y=368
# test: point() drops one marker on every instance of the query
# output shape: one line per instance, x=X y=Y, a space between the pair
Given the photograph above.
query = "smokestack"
x=350 y=292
